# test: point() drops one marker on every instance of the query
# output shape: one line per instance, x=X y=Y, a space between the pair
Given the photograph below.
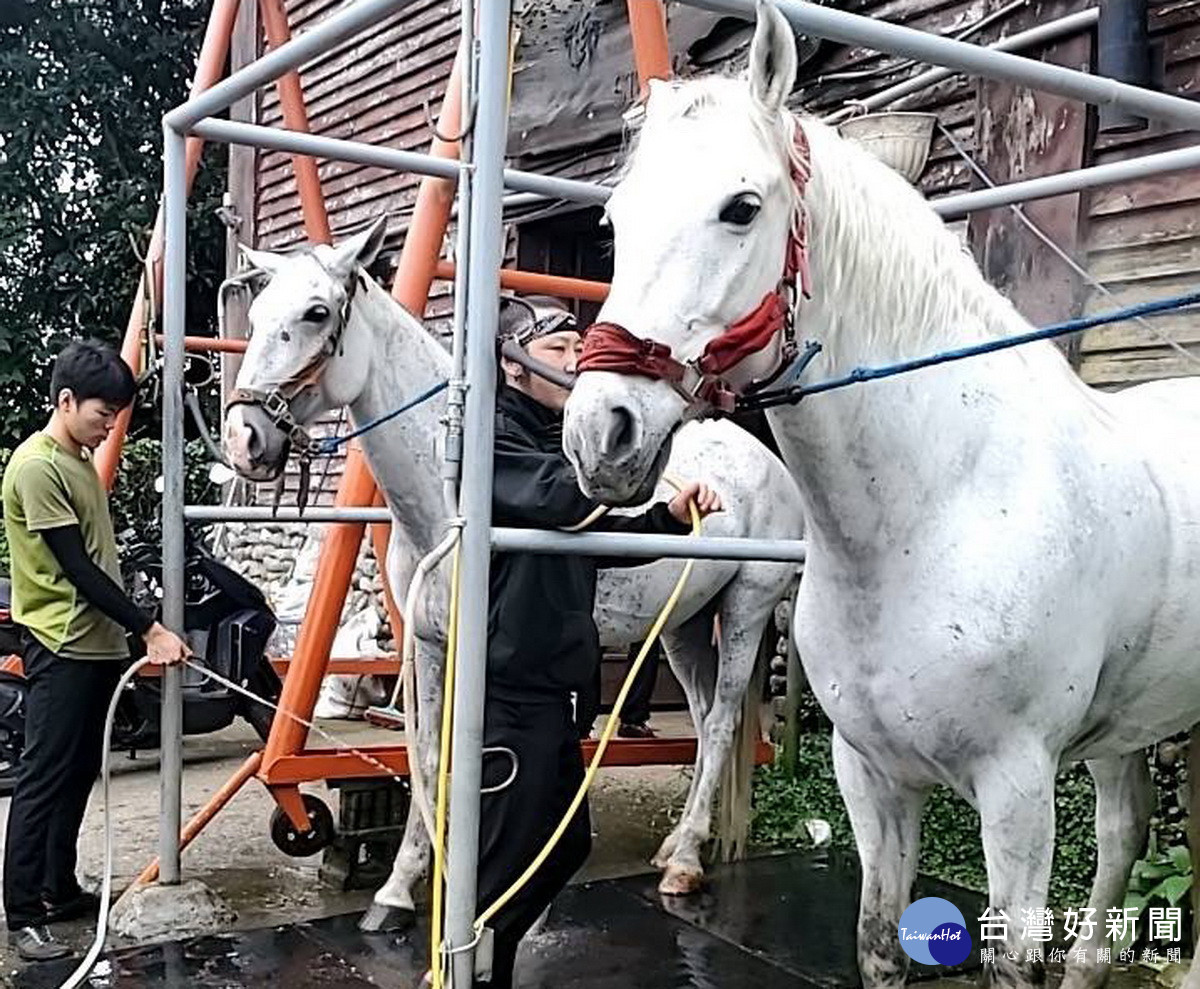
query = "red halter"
x=609 y=347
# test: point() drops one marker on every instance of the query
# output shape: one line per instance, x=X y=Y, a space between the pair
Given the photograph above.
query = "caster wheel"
x=301 y=843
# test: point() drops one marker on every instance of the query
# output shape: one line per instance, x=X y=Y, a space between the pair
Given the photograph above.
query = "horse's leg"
x=744 y=611
x=394 y=907
x=886 y=818
x=1015 y=797
x=1124 y=799
x=693 y=661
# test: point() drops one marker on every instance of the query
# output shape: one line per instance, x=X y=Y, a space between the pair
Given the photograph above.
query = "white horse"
x=1003 y=566
x=322 y=320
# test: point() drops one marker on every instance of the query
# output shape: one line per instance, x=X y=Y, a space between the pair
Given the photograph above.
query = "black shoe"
x=37 y=944
x=642 y=730
x=83 y=905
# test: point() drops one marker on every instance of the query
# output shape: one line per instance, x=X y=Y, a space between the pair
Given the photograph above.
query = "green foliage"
x=85 y=86
x=1161 y=879
x=782 y=803
x=950 y=845
x=136 y=502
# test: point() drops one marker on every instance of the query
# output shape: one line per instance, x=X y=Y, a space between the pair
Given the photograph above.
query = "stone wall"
x=280 y=558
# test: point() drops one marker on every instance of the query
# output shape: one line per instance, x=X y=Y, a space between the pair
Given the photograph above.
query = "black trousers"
x=516 y=822
x=64 y=735
x=637 y=704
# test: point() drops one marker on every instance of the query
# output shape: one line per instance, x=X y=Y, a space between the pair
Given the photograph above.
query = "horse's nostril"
x=254 y=443
x=621 y=432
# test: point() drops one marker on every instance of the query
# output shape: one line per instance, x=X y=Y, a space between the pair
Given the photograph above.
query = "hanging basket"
x=901 y=140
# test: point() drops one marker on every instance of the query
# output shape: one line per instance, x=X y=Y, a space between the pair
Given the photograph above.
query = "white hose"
x=79 y=976
x=406 y=685
x=81 y=973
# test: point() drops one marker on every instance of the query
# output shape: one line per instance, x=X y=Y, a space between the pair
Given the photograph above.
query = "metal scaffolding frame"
x=487 y=178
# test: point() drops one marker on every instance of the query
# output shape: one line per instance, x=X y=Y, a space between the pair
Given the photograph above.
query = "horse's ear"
x=262 y=260
x=772 y=57
x=361 y=249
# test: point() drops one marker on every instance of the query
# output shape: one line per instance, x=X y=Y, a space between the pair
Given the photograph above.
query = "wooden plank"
x=1183 y=328
x=1148 y=226
x=1145 y=193
x=1132 y=293
x=384 y=57
x=1177 y=256
x=329 y=63
x=1108 y=370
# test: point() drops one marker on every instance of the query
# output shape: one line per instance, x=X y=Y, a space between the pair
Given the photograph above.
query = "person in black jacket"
x=543 y=646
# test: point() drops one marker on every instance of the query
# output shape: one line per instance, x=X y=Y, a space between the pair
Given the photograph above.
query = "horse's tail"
x=733 y=815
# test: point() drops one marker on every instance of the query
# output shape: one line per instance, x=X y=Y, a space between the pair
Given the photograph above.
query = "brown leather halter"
x=276 y=401
x=701 y=382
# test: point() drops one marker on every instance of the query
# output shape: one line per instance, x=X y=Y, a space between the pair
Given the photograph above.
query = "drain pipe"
x=1123 y=53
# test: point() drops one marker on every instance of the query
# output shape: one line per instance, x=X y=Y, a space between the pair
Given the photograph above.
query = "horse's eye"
x=741 y=209
x=316 y=314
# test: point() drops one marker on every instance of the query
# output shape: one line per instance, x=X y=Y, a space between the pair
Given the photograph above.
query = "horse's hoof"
x=662 y=858
x=383 y=919
x=677 y=881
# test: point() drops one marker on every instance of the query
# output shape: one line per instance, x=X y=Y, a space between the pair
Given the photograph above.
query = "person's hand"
x=706 y=499
x=164 y=647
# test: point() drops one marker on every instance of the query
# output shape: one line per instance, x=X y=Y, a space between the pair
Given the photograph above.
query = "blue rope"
x=793 y=394
x=331 y=443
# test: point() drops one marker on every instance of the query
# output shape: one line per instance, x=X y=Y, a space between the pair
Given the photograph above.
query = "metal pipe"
x=651 y=52
x=855 y=29
x=1062 y=27
x=456 y=400
x=295 y=117
x=210 y=66
x=431 y=210
x=200 y=820
x=346 y=23
x=483 y=274
x=338 y=149
x=1123 y=52
x=174 y=324
x=334 y=573
x=261 y=513
x=535 y=282
x=644 y=546
x=952 y=207
x=210 y=345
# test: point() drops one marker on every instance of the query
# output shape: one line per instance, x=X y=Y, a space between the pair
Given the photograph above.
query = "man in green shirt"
x=67 y=594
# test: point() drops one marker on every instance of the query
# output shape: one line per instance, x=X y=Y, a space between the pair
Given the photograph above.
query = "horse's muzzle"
x=257 y=449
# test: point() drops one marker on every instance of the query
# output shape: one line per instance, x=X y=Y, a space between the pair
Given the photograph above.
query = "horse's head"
x=701 y=222
x=308 y=352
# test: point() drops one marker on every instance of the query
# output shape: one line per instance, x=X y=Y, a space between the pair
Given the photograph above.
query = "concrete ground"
x=632 y=809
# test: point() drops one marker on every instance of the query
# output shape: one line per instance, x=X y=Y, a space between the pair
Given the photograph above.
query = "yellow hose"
x=610 y=728
x=439 y=843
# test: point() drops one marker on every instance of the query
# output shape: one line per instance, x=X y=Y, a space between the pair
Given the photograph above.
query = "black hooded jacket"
x=542 y=639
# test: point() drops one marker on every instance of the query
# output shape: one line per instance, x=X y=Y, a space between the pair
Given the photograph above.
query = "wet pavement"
x=767 y=923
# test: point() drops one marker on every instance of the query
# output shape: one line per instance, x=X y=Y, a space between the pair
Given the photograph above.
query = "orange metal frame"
x=285 y=762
